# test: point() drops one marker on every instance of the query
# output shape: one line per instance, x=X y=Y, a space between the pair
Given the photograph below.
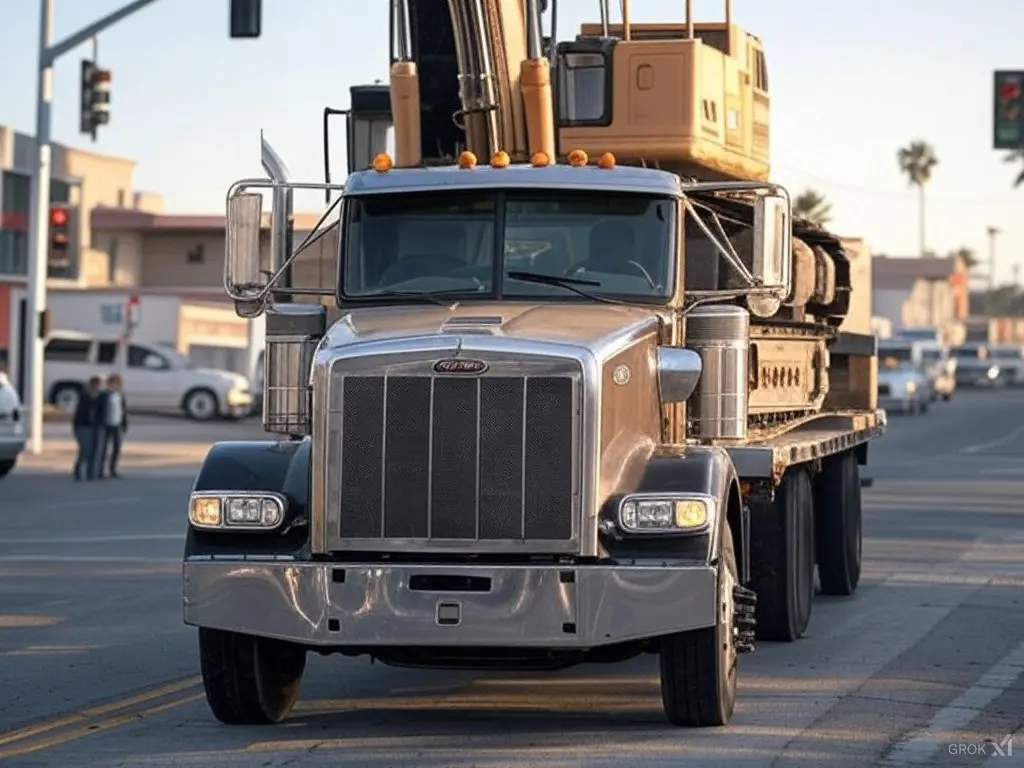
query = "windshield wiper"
x=433 y=297
x=569 y=283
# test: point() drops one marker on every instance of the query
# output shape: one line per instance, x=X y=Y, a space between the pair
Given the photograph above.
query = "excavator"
x=687 y=97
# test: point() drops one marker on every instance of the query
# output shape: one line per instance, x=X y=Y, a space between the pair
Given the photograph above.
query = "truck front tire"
x=249 y=680
x=837 y=502
x=698 y=668
x=782 y=558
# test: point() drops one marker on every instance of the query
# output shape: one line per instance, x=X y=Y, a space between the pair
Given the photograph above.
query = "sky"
x=851 y=83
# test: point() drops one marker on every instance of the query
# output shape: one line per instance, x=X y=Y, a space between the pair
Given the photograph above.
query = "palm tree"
x=966 y=255
x=1017 y=156
x=812 y=205
x=917 y=160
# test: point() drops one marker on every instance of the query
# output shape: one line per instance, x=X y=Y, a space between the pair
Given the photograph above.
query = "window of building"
x=67 y=350
x=112 y=260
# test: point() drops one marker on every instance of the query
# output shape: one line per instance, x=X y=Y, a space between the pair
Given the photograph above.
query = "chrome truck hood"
x=597 y=328
x=608 y=352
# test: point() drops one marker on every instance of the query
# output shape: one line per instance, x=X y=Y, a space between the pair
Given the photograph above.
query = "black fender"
x=684 y=469
x=282 y=466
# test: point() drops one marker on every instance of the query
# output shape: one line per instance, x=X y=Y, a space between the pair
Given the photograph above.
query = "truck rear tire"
x=838 y=524
x=698 y=668
x=782 y=558
x=249 y=680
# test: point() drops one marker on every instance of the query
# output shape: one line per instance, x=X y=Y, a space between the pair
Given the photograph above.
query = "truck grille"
x=456 y=458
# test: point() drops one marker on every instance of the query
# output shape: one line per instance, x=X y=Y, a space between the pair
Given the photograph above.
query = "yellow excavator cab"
x=691 y=97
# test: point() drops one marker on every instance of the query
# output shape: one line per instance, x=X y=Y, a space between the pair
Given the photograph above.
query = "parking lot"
x=922 y=667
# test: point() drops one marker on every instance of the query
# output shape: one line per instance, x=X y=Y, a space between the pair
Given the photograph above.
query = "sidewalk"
x=137 y=457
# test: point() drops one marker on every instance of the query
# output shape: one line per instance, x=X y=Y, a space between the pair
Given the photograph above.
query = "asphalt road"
x=926 y=660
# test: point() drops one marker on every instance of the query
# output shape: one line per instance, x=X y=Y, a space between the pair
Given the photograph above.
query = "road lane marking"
x=923 y=744
x=102 y=725
x=89 y=713
x=1009 y=437
x=38 y=650
x=85 y=502
x=26 y=621
x=180 y=536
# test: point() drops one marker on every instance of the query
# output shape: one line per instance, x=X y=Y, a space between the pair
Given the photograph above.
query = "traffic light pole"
x=40 y=203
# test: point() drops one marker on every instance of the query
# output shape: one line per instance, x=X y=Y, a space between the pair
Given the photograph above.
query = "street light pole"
x=39 y=203
x=993 y=232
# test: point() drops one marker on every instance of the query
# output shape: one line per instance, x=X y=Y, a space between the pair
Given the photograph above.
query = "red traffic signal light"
x=1009 y=91
x=58 y=217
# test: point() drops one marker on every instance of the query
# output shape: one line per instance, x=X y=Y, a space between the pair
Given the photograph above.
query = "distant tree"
x=812 y=205
x=966 y=255
x=1017 y=156
x=917 y=160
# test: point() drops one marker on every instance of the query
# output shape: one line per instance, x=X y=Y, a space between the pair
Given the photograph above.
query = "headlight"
x=911 y=387
x=664 y=514
x=261 y=511
x=993 y=372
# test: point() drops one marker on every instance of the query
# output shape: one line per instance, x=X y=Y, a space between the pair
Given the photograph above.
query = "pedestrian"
x=85 y=426
x=113 y=420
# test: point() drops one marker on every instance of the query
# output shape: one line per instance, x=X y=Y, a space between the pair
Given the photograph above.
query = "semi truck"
x=580 y=391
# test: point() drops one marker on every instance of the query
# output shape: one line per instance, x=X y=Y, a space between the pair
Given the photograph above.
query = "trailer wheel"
x=698 y=668
x=838 y=525
x=249 y=680
x=782 y=558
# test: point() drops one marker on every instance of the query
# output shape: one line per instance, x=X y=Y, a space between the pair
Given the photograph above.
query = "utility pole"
x=993 y=233
x=245 y=17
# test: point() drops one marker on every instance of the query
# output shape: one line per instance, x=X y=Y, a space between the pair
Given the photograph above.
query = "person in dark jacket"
x=112 y=415
x=85 y=426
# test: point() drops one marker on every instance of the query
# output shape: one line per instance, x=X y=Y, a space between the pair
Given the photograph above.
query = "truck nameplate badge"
x=457 y=365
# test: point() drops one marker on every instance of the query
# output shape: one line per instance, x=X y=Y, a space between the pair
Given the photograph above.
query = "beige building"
x=915 y=291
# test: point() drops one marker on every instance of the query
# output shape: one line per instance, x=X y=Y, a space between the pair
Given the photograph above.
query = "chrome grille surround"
x=411 y=360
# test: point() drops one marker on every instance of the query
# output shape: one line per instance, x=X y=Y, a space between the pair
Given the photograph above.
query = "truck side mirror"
x=246 y=268
x=773 y=260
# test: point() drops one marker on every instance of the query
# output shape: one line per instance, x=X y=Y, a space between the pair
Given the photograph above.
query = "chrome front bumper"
x=372 y=605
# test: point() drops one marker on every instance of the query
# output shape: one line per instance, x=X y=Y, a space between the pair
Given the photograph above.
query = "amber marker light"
x=467 y=160
x=540 y=160
x=606 y=161
x=578 y=158
x=382 y=163
x=500 y=159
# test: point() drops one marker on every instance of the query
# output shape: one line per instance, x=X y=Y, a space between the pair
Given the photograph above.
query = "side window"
x=141 y=357
x=106 y=353
x=584 y=83
x=67 y=350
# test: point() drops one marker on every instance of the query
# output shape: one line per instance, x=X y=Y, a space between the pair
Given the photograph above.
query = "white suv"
x=156 y=377
x=12 y=426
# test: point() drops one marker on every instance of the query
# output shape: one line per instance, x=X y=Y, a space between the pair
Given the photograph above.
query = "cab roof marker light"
x=578 y=158
x=500 y=159
x=382 y=163
x=606 y=161
x=467 y=160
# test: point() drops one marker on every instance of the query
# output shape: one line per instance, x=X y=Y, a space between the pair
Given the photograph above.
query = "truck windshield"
x=621 y=244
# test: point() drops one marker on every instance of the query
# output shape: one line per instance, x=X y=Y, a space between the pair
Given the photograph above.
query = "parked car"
x=902 y=386
x=1010 y=359
x=156 y=377
x=12 y=426
x=940 y=368
x=975 y=366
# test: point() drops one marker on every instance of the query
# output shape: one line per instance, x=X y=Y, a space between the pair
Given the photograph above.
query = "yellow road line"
x=89 y=713
x=102 y=725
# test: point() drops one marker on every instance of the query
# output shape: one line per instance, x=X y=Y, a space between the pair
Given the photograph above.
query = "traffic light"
x=59 y=256
x=1009 y=110
x=95 y=98
x=246 y=18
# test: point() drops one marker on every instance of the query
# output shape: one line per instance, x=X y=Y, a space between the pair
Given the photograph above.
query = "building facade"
x=918 y=292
